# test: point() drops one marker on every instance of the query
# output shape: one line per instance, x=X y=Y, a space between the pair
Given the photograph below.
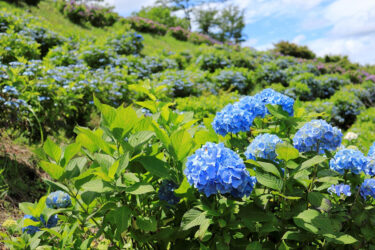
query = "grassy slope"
x=53 y=19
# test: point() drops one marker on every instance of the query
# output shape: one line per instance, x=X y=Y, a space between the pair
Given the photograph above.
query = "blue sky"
x=326 y=26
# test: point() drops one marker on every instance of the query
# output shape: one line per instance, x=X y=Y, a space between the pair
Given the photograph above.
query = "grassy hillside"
x=54 y=20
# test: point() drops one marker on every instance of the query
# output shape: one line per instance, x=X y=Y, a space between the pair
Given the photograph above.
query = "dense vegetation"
x=182 y=146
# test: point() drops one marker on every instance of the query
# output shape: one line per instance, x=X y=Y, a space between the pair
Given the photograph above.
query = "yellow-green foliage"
x=365 y=128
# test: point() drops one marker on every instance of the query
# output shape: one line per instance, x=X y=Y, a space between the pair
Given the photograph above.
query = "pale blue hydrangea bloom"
x=270 y=96
x=263 y=146
x=340 y=189
x=368 y=188
x=216 y=169
x=58 y=199
x=349 y=160
x=318 y=136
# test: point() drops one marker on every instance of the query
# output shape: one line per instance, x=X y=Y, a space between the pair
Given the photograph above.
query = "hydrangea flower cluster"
x=52 y=222
x=317 y=135
x=239 y=116
x=349 y=159
x=263 y=146
x=340 y=189
x=372 y=150
x=370 y=167
x=232 y=119
x=166 y=192
x=368 y=188
x=58 y=199
x=216 y=169
x=270 y=96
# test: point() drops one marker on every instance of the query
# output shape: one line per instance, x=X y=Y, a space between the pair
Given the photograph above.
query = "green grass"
x=54 y=20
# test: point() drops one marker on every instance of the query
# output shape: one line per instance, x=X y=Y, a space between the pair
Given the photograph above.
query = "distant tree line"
x=225 y=25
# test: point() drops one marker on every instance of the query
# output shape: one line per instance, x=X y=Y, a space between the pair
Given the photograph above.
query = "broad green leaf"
x=89 y=196
x=254 y=246
x=203 y=227
x=70 y=151
x=269 y=167
x=96 y=185
x=105 y=161
x=56 y=185
x=193 y=218
x=277 y=111
x=305 y=220
x=95 y=139
x=125 y=120
x=155 y=166
x=161 y=134
x=75 y=167
x=140 y=138
x=318 y=200
x=140 y=188
x=297 y=236
x=312 y=162
x=148 y=105
x=269 y=180
x=147 y=224
x=286 y=152
x=26 y=207
x=55 y=171
x=120 y=217
x=340 y=238
x=108 y=112
x=52 y=150
x=182 y=143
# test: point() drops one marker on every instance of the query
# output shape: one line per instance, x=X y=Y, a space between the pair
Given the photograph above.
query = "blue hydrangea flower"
x=232 y=119
x=252 y=105
x=270 y=96
x=58 y=199
x=370 y=167
x=52 y=222
x=263 y=146
x=340 y=189
x=348 y=159
x=317 y=135
x=216 y=169
x=30 y=229
x=372 y=150
x=166 y=192
x=368 y=188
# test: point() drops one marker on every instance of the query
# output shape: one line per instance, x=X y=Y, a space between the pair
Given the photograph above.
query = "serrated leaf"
x=55 y=171
x=147 y=224
x=269 y=167
x=140 y=188
x=312 y=162
x=140 y=138
x=193 y=218
x=340 y=238
x=269 y=180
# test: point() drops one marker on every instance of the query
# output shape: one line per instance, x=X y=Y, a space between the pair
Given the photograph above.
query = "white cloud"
x=126 y=7
x=358 y=49
x=250 y=42
x=298 y=39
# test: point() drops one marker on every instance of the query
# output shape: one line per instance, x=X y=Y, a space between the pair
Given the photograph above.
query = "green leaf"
x=155 y=166
x=269 y=167
x=147 y=224
x=305 y=220
x=120 y=218
x=105 y=161
x=277 y=111
x=56 y=185
x=75 y=167
x=140 y=138
x=161 y=134
x=55 y=171
x=148 y=105
x=108 y=112
x=286 y=152
x=193 y=218
x=297 y=236
x=89 y=196
x=254 y=246
x=96 y=185
x=95 y=139
x=203 y=227
x=70 y=151
x=312 y=162
x=319 y=201
x=140 y=188
x=125 y=120
x=340 y=238
x=182 y=143
x=52 y=150
x=269 y=180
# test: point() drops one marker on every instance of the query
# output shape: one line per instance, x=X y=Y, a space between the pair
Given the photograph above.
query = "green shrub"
x=179 y=33
x=291 y=49
x=145 y=25
x=162 y=15
x=15 y=46
x=365 y=127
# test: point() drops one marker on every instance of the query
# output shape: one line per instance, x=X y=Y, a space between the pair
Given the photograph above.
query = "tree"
x=187 y=6
x=231 y=24
x=206 y=20
x=163 y=15
x=291 y=49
